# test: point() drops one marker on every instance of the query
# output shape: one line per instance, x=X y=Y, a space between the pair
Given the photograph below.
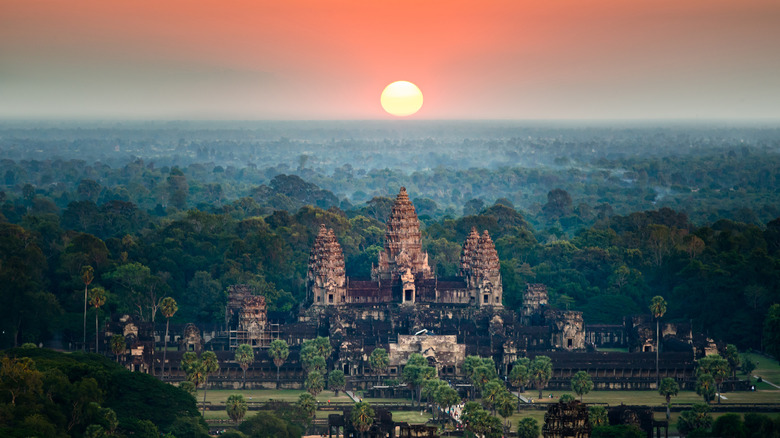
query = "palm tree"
x=210 y=365
x=118 y=345
x=541 y=372
x=379 y=361
x=97 y=299
x=581 y=383
x=315 y=383
x=236 y=407
x=245 y=355
x=279 y=352
x=668 y=388
x=658 y=307
x=362 y=417
x=168 y=307
x=87 y=275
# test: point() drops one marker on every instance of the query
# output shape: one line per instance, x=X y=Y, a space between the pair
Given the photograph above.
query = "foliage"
x=771 y=338
x=480 y=422
x=705 y=387
x=566 y=398
x=266 y=424
x=581 y=383
x=379 y=360
x=314 y=383
x=278 y=352
x=245 y=355
x=597 y=416
x=520 y=375
x=307 y=404
x=698 y=418
x=416 y=372
x=362 y=416
x=748 y=366
x=541 y=372
x=236 y=407
x=336 y=381
x=729 y=425
x=528 y=428
x=63 y=394
x=668 y=388
x=619 y=431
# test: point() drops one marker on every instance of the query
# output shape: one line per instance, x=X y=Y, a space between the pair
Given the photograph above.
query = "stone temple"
x=402 y=274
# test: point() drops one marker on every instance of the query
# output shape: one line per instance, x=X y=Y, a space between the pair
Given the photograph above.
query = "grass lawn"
x=767 y=368
x=652 y=398
x=261 y=395
x=411 y=417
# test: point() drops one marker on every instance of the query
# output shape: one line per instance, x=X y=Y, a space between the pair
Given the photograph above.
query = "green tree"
x=748 y=366
x=705 y=387
x=378 y=361
x=245 y=355
x=278 y=352
x=118 y=345
x=97 y=298
x=198 y=370
x=771 y=338
x=733 y=358
x=729 y=425
x=210 y=365
x=668 y=389
x=715 y=366
x=87 y=276
x=236 y=407
x=541 y=372
x=480 y=422
x=19 y=376
x=581 y=383
x=698 y=418
x=566 y=398
x=362 y=417
x=168 y=307
x=445 y=396
x=308 y=405
x=505 y=405
x=321 y=345
x=597 y=416
x=527 y=428
x=416 y=372
x=490 y=393
x=520 y=375
x=314 y=383
x=336 y=381
x=657 y=308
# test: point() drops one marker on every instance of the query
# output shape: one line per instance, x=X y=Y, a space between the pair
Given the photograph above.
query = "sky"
x=330 y=59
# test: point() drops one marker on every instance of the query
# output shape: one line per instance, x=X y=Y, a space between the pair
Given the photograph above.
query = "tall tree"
x=210 y=365
x=541 y=372
x=658 y=308
x=96 y=299
x=668 y=388
x=715 y=366
x=581 y=383
x=378 y=361
x=732 y=356
x=236 y=407
x=308 y=405
x=245 y=355
x=87 y=275
x=118 y=345
x=505 y=406
x=771 y=339
x=168 y=307
x=278 y=352
x=362 y=417
x=706 y=387
x=416 y=372
x=528 y=428
x=336 y=381
x=314 y=383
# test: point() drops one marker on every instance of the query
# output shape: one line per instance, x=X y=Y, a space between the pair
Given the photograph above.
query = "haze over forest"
x=606 y=215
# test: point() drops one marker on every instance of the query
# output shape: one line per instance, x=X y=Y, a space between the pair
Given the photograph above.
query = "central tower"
x=402 y=257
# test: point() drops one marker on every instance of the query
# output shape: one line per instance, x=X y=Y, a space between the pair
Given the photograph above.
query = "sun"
x=401 y=98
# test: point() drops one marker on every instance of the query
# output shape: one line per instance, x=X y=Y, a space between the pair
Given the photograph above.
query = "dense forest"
x=606 y=217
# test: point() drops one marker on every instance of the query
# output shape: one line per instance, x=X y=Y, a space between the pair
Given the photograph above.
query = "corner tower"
x=326 y=278
x=402 y=255
x=480 y=267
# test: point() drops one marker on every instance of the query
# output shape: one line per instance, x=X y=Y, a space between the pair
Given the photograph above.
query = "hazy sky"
x=323 y=59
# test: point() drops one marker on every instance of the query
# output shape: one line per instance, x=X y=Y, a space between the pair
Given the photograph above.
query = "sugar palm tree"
x=168 y=307
x=245 y=355
x=96 y=299
x=362 y=417
x=236 y=407
x=668 y=389
x=118 y=345
x=279 y=352
x=87 y=275
x=658 y=307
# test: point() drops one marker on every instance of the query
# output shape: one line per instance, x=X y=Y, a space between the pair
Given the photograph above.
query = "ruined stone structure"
x=191 y=340
x=326 y=277
x=442 y=352
x=566 y=420
x=534 y=303
x=247 y=315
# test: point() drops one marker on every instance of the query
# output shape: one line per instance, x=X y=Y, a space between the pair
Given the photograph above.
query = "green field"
x=219 y=396
x=767 y=369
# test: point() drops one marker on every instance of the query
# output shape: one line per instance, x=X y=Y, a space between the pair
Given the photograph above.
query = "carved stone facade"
x=534 y=302
x=566 y=420
x=191 y=340
x=402 y=275
x=326 y=277
x=440 y=351
x=403 y=244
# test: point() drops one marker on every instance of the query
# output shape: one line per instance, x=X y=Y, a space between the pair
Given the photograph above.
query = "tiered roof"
x=326 y=260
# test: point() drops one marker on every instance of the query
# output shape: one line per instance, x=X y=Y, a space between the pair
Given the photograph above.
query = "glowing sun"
x=401 y=98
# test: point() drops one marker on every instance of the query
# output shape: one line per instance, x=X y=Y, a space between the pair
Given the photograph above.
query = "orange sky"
x=298 y=59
